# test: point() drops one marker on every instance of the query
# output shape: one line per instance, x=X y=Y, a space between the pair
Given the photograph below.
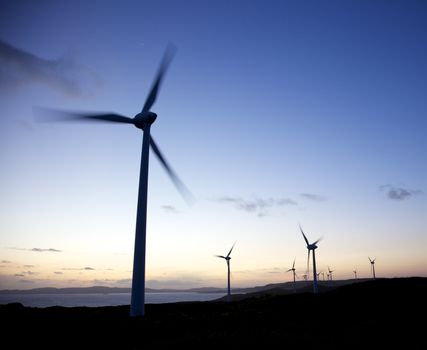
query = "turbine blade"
x=293 y=265
x=231 y=250
x=220 y=256
x=318 y=240
x=305 y=238
x=308 y=261
x=374 y=260
x=185 y=192
x=166 y=60
x=47 y=115
x=369 y=259
x=289 y=270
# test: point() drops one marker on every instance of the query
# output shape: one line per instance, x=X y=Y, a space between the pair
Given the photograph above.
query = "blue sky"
x=273 y=113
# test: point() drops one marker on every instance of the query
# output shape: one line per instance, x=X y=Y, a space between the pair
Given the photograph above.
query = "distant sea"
x=110 y=299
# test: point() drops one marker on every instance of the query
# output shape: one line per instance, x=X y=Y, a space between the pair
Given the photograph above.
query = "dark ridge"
x=382 y=313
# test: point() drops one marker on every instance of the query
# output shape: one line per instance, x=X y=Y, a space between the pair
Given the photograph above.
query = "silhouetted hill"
x=382 y=313
x=106 y=290
x=83 y=290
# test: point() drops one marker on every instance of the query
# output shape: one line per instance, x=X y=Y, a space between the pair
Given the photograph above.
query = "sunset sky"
x=273 y=113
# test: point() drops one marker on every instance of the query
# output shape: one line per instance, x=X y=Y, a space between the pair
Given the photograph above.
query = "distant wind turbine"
x=311 y=247
x=143 y=121
x=294 y=274
x=355 y=274
x=372 y=261
x=330 y=273
x=323 y=275
x=227 y=259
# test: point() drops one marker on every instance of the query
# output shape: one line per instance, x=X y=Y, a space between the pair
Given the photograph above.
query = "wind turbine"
x=227 y=259
x=143 y=121
x=330 y=273
x=355 y=274
x=372 y=261
x=311 y=247
x=293 y=272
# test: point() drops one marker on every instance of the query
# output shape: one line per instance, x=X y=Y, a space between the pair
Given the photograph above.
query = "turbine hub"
x=144 y=118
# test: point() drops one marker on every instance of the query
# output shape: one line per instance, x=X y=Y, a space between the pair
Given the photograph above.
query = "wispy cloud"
x=257 y=205
x=57 y=272
x=29 y=273
x=398 y=193
x=19 y=67
x=38 y=250
x=41 y=250
x=170 y=209
x=87 y=268
x=314 y=197
x=19 y=275
x=6 y=262
x=29 y=266
x=26 y=281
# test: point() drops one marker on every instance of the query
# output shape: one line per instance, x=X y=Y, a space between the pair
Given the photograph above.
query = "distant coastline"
x=111 y=290
x=104 y=290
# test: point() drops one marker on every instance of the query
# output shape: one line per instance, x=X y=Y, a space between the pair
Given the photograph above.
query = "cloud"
x=170 y=209
x=314 y=197
x=6 y=262
x=87 y=268
x=38 y=250
x=257 y=205
x=41 y=250
x=19 y=67
x=29 y=266
x=29 y=273
x=398 y=193
x=26 y=281
x=57 y=272
x=19 y=275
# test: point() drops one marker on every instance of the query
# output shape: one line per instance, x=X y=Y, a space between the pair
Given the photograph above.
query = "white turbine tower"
x=311 y=247
x=143 y=121
x=355 y=274
x=372 y=261
x=294 y=274
x=227 y=259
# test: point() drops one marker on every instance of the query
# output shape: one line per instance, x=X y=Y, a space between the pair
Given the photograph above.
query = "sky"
x=274 y=114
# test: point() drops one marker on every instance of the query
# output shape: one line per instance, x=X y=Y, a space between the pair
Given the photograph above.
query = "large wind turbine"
x=227 y=259
x=293 y=272
x=355 y=274
x=143 y=121
x=372 y=261
x=311 y=247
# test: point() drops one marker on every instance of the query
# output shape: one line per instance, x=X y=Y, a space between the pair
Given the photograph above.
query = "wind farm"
x=288 y=121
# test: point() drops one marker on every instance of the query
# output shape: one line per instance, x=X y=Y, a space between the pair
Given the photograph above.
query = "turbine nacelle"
x=228 y=258
x=312 y=246
x=144 y=118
